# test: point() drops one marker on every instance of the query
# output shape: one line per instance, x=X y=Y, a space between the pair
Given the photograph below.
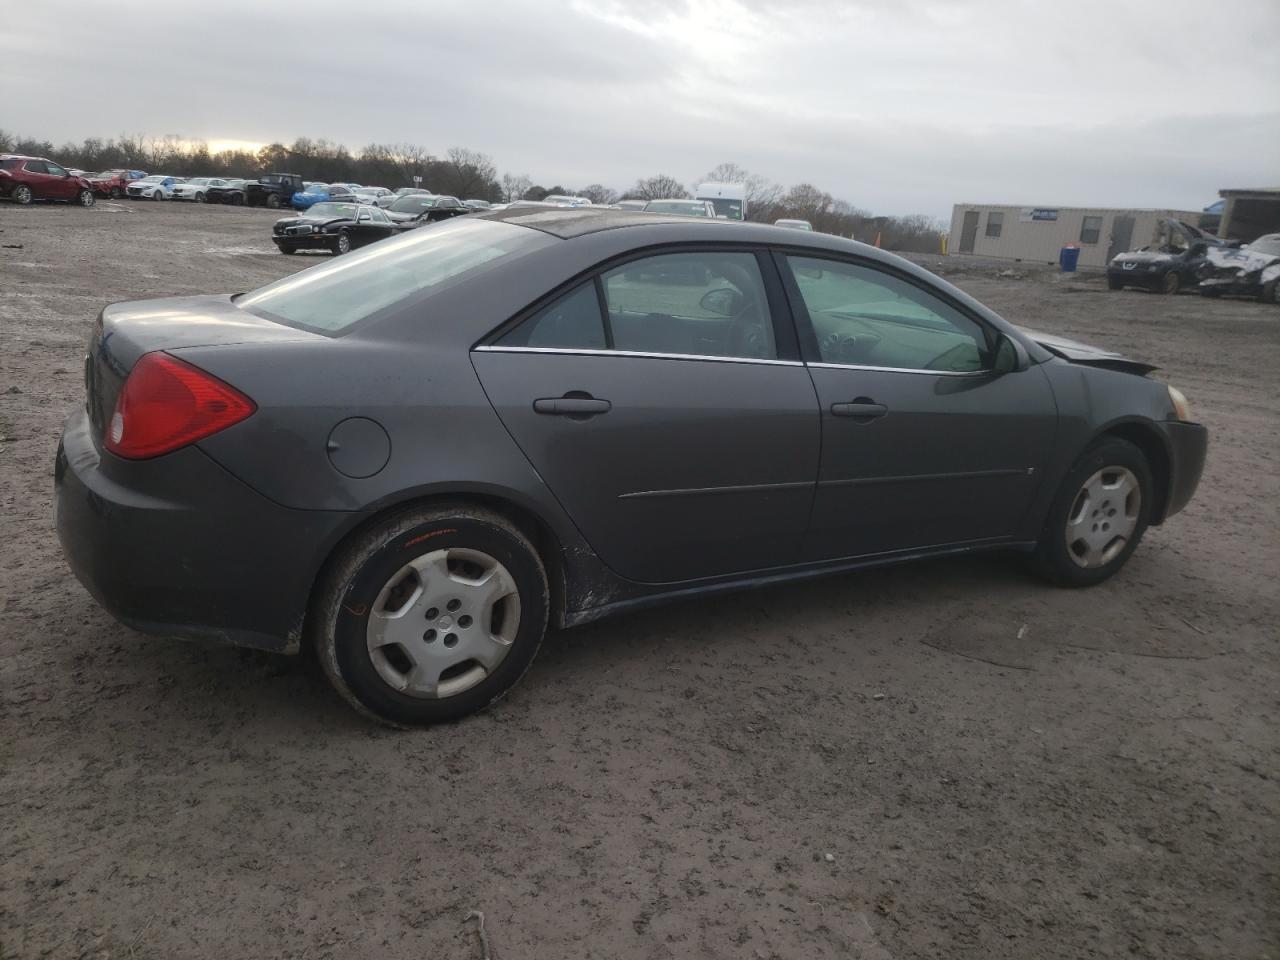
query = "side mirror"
x=1011 y=356
x=723 y=302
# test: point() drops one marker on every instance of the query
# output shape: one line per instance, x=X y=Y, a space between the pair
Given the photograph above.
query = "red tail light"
x=166 y=403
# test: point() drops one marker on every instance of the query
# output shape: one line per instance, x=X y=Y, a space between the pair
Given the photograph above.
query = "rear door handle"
x=572 y=406
x=862 y=409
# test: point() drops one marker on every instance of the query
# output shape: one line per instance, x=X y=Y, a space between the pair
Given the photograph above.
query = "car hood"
x=1087 y=355
x=1144 y=256
x=400 y=217
x=314 y=221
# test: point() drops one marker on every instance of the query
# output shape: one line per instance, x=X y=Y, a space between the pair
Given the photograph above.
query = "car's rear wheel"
x=1170 y=283
x=21 y=194
x=343 y=243
x=1098 y=516
x=199 y=198
x=432 y=614
x=115 y=193
x=1115 y=283
x=273 y=201
x=85 y=198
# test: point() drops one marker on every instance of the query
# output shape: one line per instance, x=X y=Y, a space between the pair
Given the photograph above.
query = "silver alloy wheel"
x=86 y=198
x=343 y=244
x=443 y=623
x=1103 y=517
x=22 y=194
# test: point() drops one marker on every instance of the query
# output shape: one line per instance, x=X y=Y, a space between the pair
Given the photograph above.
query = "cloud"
x=895 y=106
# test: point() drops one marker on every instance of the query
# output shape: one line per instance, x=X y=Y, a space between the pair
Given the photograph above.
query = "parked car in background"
x=415 y=209
x=1169 y=264
x=371 y=195
x=424 y=499
x=682 y=208
x=196 y=189
x=793 y=224
x=477 y=204
x=1252 y=270
x=310 y=194
x=228 y=191
x=564 y=200
x=113 y=183
x=336 y=226
x=272 y=190
x=631 y=204
x=155 y=187
x=24 y=179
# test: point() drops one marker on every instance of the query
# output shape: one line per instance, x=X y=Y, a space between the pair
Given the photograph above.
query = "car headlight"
x=1181 y=408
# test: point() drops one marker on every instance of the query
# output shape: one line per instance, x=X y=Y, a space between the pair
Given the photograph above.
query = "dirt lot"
x=945 y=760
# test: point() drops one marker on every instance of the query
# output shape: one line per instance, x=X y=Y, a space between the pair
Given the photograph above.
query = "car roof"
x=569 y=222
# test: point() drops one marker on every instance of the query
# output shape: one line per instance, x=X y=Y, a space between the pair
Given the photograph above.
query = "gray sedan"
x=414 y=459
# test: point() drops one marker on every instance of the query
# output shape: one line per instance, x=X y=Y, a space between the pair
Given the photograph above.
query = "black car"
x=415 y=458
x=1170 y=264
x=337 y=226
x=1249 y=271
x=231 y=192
x=415 y=209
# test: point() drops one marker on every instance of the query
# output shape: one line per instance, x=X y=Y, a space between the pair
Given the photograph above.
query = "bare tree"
x=659 y=187
x=598 y=193
x=7 y=141
x=515 y=186
x=468 y=173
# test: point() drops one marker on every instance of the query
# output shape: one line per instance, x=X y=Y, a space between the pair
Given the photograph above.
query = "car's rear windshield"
x=11 y=163
x=334 y=297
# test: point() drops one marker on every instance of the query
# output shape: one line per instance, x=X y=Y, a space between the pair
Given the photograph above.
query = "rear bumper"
x=178 y=547
x=1188 y=444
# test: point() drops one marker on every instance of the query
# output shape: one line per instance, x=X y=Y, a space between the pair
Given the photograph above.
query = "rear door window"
x=571 y=322
x=691 y=303
x=37 y=166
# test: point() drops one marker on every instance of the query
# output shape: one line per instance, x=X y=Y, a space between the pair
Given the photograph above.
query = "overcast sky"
x=897 y=106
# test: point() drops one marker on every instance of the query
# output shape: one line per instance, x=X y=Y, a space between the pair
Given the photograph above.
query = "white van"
x=729 y=199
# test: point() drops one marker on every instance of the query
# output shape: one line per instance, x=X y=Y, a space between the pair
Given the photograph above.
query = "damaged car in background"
x=1249 y=271
x=1169 y=264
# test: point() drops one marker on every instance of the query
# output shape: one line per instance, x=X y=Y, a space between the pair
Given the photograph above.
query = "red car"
x=112 y=183
x=23 y=179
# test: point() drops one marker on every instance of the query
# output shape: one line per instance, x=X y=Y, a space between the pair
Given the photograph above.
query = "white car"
x=373 y=196
x=194 y=189
x=682 y=208
x=563 y=200
x=155 y=187
x=794 y=224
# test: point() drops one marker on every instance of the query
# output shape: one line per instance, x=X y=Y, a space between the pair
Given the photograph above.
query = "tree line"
x=469 y=174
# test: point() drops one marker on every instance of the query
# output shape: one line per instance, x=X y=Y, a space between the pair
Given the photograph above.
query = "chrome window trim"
x=588 y=352
x=932 y=373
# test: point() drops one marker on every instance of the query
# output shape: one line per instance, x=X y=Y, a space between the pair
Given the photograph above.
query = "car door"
x=61 y=185
x=666 y=408
x=36 y=176
x=930 y=437
x=382 y=226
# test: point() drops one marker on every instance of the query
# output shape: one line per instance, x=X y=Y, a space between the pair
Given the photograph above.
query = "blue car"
x=313 y=194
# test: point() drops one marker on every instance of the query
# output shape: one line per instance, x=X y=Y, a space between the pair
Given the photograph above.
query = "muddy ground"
x=943 y=760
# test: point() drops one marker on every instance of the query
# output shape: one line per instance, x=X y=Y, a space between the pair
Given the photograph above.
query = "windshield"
x=334 y=210
x=333 y=297
x=688 y=208
x=732 y=209
x=1270 y=246
x=413 y=203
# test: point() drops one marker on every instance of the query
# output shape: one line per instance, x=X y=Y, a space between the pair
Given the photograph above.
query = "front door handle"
x=861 y=409
x=572 y=406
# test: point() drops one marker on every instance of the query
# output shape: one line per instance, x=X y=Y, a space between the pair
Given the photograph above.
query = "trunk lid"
x=126 y=331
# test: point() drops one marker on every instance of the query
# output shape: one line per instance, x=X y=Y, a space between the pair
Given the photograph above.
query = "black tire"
x=1270 y=292
x=200 y=198
x=273 y=201
x=21 y=195
x=157 y=194
x=342 y=244
x=353 y=582
x=284 y=249
x=115 y=193
x=237 y=200
x=1170 y=283
x=1053 y=557
x=1115 y=283
x=86 y=198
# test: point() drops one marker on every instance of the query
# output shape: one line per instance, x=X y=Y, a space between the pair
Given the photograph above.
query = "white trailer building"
x=1039 y=233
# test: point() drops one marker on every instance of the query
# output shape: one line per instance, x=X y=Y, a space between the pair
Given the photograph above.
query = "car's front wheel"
x=116 y=193
x=343 y=243
x=431 y=614
x=85 y=198
x=21 y=194
x=1098 y=516
x=1170 y=283
x=157 y=194
x=1270 y=292
x=200 y=198
x=1115 y=283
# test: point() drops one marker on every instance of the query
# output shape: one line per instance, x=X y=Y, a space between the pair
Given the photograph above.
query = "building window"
x=995 y=223
x=1091 y=229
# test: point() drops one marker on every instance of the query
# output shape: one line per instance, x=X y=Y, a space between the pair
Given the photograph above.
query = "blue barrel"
x=1068 y=258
